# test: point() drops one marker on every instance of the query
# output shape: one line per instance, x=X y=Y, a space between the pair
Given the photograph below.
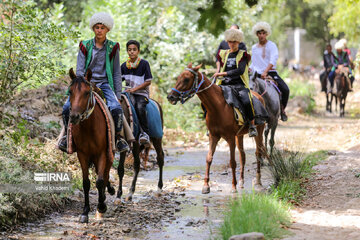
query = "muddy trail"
x=331 y=209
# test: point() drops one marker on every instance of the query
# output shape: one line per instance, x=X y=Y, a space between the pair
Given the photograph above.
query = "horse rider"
x=233 y=66
x=224 y=45
x=101 y=56
x=327 y=56
x=264 y=57
x=340 y=58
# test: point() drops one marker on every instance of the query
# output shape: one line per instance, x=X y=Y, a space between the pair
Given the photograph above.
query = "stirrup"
x=63 y=144
x=252 y=131
x=144 y=139
x=122 y=145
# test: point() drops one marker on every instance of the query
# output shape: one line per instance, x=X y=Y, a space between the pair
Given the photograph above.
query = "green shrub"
x=256 y=213
x=301 y=88
x=289 y=172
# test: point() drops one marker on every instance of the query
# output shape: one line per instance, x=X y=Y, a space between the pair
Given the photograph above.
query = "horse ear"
x=198 y=67
x=88 y=75
x=189 y=65
x=71 y=73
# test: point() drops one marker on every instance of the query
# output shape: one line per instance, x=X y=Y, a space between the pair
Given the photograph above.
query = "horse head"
x=187 y=84
x=81 y=97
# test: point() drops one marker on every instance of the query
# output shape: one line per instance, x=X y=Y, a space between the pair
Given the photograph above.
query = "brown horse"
x=136 y=151
x=90 y=138
x=220 y=121
x=342 y=86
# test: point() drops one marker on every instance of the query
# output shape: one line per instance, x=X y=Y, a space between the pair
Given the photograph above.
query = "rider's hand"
x=219 y=74
x=263 y=75
x=130 y=90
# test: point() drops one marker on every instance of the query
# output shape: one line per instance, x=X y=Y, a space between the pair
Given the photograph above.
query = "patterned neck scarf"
x=132 y=65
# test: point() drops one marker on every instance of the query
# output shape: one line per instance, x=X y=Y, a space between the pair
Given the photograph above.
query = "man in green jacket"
x=101 y=56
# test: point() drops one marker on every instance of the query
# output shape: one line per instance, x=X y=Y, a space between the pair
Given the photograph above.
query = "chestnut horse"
x=90 y=138
x=220 y=121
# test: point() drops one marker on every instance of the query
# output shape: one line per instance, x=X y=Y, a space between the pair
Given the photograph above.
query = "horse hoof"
x=158 y=193
x=99 y=215
x=128 y=198
x=233 y=191
x=84 y=219
x=117 y=202
x=102 y=208
x=111 y=191
x=205 y=190
x=241 y=185
x=259 y=188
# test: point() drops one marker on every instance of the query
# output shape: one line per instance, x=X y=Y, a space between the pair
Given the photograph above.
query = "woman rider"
x=234 y=68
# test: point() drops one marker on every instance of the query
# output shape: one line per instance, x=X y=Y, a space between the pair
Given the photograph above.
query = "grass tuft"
x=290 y=171
x=256 y=213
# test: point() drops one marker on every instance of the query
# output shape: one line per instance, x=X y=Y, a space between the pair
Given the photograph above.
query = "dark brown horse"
x=220 y=121
x=342 y=86
x=136 y=150
x=90 y=138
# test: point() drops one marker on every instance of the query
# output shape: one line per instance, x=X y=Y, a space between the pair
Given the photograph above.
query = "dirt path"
x=331 y=209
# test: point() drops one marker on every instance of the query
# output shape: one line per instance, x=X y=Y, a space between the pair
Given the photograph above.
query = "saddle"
x=270 y=80
x=125 y=132
x=153 y=117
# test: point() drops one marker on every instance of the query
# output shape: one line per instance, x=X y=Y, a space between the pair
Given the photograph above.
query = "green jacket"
x=86 y=47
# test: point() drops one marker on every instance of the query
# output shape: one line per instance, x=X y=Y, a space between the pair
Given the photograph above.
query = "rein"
x=195 y=88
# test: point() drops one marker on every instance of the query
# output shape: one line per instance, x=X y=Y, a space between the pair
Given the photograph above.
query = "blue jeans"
x=111 y=101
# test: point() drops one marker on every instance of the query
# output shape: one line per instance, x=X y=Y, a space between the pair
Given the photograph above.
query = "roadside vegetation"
x=256 y=213
x=269 y=214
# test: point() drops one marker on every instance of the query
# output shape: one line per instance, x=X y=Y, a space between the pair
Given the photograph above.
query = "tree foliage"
x=345 y=19
x=31 y=45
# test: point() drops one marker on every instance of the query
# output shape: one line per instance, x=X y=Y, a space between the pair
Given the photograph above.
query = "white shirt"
x=259 y=62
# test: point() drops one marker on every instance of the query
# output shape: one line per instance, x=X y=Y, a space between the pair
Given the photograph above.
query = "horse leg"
x=135 y=151
x=272 y=138
x=120 y=170
x=212 y=147
x=260 y=153
x=266 y=133
x=101 y=183
x=240 y=146
x=160 y=159
x=84 y=218
x=231 y=143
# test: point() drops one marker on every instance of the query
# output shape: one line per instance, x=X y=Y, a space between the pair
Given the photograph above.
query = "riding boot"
x=63 y=141
x=284 y=117
x=351 y=80
x=252 y=129
x=121 y=143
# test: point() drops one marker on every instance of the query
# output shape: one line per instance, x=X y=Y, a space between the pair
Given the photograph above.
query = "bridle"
x=195 y=88
x=88 y=111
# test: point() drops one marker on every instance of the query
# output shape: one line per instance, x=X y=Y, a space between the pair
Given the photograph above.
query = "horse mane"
x=78 y=81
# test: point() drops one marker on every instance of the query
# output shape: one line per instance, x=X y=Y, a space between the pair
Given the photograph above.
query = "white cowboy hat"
x=103 y=18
